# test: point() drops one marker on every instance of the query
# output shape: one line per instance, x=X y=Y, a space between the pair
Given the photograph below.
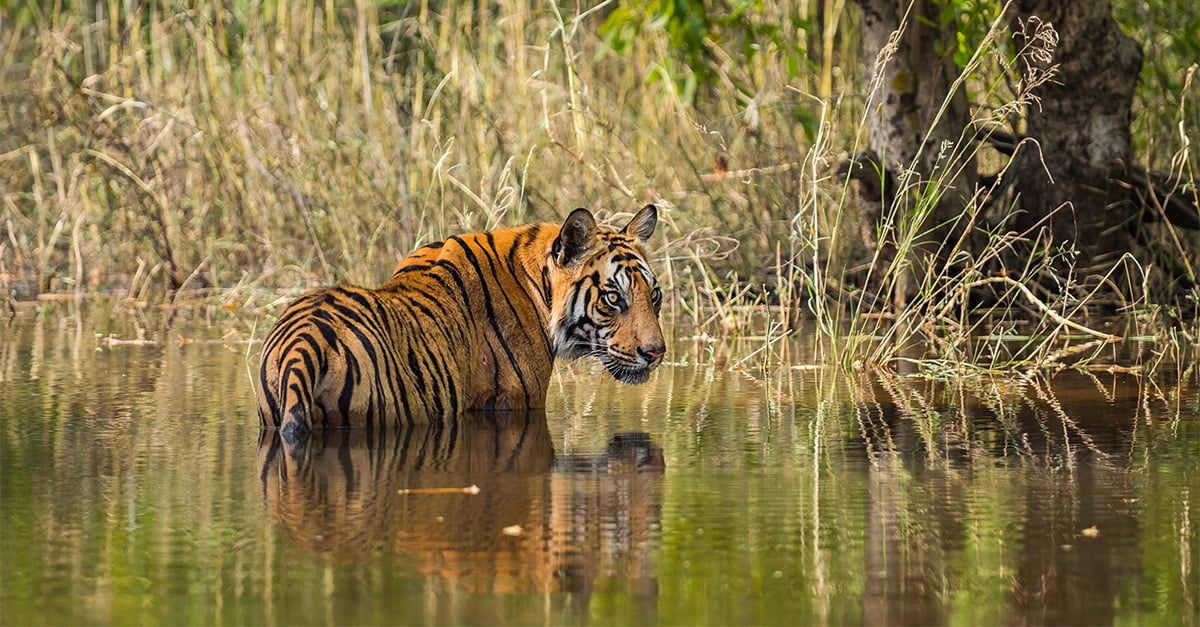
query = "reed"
x=244 y=152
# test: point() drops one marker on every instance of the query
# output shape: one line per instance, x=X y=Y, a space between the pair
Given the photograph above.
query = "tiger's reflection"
x=538 y=523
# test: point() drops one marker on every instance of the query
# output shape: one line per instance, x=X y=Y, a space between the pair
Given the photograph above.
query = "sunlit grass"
x=239 y=154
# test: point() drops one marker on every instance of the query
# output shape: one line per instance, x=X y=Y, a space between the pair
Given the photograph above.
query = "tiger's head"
x=605 y=296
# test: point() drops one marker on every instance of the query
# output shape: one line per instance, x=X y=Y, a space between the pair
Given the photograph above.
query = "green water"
x=138 y=489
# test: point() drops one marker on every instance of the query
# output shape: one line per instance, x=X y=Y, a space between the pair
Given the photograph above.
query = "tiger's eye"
x=612 y=299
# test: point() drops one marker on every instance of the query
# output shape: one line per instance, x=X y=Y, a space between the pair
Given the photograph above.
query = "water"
x=137 y=488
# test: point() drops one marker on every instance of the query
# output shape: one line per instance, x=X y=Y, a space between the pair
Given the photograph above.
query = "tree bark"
x=1080 y=121
x=913 y=136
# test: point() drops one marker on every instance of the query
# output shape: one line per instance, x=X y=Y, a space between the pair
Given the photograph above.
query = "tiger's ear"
x=642 y=224
x=576 y=236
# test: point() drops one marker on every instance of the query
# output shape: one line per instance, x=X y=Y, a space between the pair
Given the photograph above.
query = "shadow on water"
x=536 y=523
x=1068 y=458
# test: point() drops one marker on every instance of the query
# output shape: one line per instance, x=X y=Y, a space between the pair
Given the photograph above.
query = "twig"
x=471 y=489
x=113 y=341
x=1042 y=306
x=610 y=178
x=721 y=175
x=158 y=202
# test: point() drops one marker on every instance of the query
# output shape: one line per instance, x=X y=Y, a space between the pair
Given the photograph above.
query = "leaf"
x=962 y=57
x=687 y=91
x=793 y=66
x=948 y=13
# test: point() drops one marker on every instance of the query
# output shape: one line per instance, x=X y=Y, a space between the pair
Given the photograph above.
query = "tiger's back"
x=470 y=323
x=347 y=357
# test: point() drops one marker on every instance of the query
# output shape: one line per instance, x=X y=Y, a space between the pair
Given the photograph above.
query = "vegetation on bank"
x=258 y=147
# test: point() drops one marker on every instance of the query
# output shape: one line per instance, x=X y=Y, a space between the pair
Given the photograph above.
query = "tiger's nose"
x=652 y=352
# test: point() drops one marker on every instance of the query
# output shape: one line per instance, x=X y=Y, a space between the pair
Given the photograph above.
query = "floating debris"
x=471 y=489
x=114 y=341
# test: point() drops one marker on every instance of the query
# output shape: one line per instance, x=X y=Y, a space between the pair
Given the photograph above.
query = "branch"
x=1042 y=306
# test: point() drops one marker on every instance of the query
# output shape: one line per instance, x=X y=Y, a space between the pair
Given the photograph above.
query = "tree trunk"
x=910 y=82
x=1080 y=122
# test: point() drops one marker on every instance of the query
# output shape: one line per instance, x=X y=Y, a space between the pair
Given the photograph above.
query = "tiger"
x=472 y=322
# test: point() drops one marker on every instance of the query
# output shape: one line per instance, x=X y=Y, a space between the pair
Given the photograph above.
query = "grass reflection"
x=135 y=490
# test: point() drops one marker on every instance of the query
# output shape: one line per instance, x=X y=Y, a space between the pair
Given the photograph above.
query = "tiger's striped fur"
x=470 y=323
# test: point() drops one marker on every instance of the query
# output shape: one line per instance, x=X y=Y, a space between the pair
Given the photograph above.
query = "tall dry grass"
x=259 y=147
x=289 y=145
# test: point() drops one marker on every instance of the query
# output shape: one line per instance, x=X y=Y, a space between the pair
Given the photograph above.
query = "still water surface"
x=137 y=488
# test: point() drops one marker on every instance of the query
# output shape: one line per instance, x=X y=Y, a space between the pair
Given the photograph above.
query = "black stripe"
x=390 y=360
x=517 y=269
x=413 y=268
x=491 y=313
x=456 y=275
x=547 y=288
x=415 y=369
x=517 y=317
x=625 y=256
x=346 y=397
x=268 y=395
